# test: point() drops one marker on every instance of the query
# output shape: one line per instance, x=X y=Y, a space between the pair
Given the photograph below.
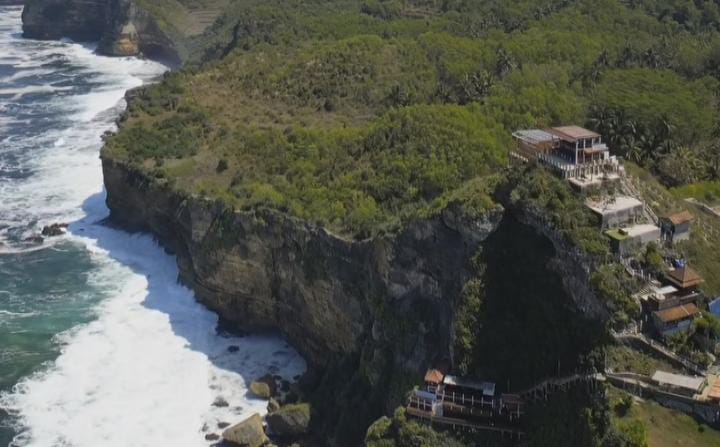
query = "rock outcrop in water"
x=121 y=27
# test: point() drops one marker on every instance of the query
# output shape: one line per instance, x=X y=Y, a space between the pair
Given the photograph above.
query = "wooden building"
x=675 y=319
x=433 y=379
x=464 y=391
x=684 y=278
x=676 y=227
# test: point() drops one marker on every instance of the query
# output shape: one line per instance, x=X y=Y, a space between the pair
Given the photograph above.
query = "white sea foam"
x=146 y=371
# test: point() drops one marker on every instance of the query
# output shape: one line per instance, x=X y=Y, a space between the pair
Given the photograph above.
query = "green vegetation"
x=400 y=432
x=359 y=115
x=587 y=420
x=708 y=192
x=663 y=427
x=701 y=249
x=622 y=358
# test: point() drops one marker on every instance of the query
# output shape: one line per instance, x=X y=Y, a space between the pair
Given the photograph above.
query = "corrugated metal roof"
x=534 y=135
x=677 y=313
x=715 y=306
x=714 y=392
x=487 y=388
x=687 y=382
x=681 y=217
x=684 y=276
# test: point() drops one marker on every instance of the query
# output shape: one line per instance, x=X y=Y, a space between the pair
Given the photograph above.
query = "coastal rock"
x=271 y=382
x=290 y=420
x=261 y=390
x=56 y=229
x=248 y=433
x=212 y=437
x=37 y=239
x=272 y=406
x=220 y=402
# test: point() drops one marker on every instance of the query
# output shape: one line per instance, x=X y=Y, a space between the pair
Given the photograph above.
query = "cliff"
x=329 y=296
x=122 y=27
x=370 y=316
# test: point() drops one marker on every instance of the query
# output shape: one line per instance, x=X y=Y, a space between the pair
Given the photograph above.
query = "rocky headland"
x=122 y=27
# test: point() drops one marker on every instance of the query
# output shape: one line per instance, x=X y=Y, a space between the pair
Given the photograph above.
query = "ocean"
x=99 y=344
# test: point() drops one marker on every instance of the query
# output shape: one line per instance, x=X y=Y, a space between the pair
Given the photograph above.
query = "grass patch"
x=623 y=358
x=666 y=427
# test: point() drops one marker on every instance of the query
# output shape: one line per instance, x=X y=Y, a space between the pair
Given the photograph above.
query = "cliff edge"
x=122 y=27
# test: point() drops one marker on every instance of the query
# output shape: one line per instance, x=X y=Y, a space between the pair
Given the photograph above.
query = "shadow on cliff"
x=530 y=326
x=251 y=356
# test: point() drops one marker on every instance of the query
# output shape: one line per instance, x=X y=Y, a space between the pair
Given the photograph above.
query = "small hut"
x=676 y=227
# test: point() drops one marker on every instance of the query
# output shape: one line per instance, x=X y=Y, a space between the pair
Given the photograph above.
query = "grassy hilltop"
x=357 y=115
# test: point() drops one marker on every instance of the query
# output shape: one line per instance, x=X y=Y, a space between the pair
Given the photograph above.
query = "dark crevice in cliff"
x=530 y=326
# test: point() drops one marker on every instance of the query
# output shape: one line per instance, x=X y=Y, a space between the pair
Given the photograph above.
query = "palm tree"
x=505 y=63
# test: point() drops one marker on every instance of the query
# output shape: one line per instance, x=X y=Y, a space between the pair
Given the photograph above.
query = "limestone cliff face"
x=121 y=27
x=392 y=297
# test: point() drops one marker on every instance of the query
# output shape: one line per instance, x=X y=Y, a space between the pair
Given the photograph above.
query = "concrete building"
x=574 y=153
x=629 y=240
x=617 y=211
x=679 y=384
x=676 y=227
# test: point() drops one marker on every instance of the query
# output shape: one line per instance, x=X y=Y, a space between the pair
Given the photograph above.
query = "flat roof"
x=534 y=135
x=487 y=388
x=621 y=234
x=619 y=203
x=667 y=290
x=677 y=380
x=573 y=133
x=677 y=313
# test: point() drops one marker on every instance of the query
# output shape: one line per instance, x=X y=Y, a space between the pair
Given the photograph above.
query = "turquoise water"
x=43 y=293
x=99 y=344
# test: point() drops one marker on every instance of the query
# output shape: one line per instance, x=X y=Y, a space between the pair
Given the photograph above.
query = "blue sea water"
x=99 y=345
